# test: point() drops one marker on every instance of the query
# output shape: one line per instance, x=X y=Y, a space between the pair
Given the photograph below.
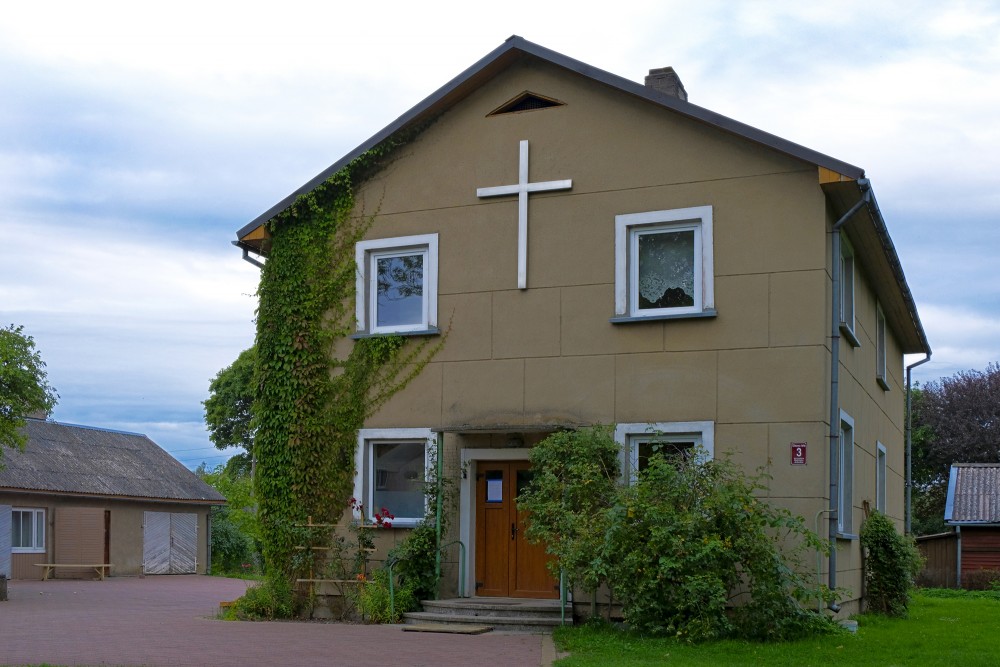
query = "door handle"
x=513 y=531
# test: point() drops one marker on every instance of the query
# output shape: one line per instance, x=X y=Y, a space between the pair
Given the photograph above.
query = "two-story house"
x=607 y=252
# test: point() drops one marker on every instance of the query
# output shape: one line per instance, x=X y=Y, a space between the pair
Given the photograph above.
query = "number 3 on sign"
x=799 y=453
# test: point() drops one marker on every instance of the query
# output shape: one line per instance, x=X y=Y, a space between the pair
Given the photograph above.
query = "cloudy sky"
x=136 y=138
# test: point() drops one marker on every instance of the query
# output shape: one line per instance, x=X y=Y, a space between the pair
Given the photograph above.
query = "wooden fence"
x=940 y=554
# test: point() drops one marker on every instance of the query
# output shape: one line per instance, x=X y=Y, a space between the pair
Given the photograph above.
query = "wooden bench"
x=100 y=568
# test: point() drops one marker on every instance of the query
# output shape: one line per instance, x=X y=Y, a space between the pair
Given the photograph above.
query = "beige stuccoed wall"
x=550 y=351
x=548 y=354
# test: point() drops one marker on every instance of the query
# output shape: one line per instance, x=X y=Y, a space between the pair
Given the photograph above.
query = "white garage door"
x=170 y=543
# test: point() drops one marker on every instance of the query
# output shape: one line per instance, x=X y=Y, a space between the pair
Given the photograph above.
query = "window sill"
x=849 y=335
x=396 y=523
x=627 y=319
x=431 y=331
x=846 y=536
x=22 y=550
x=882 y=383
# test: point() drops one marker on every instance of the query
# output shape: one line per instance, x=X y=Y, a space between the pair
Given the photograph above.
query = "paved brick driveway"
x=169 y=621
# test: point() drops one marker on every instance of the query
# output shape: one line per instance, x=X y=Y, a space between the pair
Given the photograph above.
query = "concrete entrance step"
x=449 y=628
x=508 y=614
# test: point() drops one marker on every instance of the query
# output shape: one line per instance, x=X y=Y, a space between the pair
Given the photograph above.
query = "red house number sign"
x=799 y=453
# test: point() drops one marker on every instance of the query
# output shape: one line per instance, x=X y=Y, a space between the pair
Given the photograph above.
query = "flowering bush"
x=382 y=518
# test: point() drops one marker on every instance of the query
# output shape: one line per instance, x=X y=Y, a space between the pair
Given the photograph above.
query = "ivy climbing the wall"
x=309 y=403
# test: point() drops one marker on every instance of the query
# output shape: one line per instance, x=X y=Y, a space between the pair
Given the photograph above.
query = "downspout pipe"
x=865 y=186
x=909 y=444
x=438 y=510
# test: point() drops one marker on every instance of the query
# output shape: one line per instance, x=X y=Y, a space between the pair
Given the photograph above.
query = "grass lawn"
x=945 y=628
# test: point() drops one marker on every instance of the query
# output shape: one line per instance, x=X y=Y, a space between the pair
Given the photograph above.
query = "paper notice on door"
x=494 y=490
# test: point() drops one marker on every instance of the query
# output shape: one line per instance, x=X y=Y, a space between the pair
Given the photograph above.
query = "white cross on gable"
x=521 y=189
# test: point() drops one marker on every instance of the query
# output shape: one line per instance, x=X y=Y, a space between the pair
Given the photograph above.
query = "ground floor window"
x=845 y=509
x=880 y=470
x=391 y=467
x=27 y=530
x=640 y=441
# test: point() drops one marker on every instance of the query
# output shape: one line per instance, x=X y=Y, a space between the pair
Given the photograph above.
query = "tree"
x=24 y=386
x=228 y=410
x=235 y=531
x=955 y=420
x=573 y=489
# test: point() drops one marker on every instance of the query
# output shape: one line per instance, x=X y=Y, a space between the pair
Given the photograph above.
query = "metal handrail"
x=461 y=577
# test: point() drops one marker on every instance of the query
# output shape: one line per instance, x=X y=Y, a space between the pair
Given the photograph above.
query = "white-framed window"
x=664 y=263
x=845 y=510
x=27 y=530
x=880 y=353
x=397 y=284
x=641 y=440
x=391 y=470
x=880 y=477
x=847 y=314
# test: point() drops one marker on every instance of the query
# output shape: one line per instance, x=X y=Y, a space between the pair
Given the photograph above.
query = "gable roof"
x=973 y=494
x=513 y=50
x=82 y=460
x=843 y=183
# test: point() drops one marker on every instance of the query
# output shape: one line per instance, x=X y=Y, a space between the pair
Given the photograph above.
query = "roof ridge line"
x=89 y=428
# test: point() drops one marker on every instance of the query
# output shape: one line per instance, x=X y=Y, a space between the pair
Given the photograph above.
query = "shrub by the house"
x=892 y=561
x=678 y=546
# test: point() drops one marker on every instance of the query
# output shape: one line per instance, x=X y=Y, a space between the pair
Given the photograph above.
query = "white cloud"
x=131 y=327
x=961 y=338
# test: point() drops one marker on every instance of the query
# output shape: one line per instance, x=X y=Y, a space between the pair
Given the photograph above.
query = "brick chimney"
x=665 y=80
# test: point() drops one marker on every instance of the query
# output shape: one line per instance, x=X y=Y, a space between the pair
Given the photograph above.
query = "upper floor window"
x=397 y=284
x=847 y=317
x=663 y=263
x=641 y=441
x=27 y=530
x=880 y=356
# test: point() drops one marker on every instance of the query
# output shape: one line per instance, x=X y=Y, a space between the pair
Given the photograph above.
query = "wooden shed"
x=973 y=508
x=79 y=495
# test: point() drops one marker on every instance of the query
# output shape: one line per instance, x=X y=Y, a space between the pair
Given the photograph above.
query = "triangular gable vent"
x=526 y=101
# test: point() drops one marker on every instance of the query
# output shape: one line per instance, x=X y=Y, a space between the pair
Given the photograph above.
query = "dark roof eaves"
x=17 y=490
x=982 y=524
x=889 y=248
x=693 y=111
x=516 y=43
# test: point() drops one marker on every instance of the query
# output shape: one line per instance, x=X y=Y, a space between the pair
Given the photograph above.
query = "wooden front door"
x=507 y=565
